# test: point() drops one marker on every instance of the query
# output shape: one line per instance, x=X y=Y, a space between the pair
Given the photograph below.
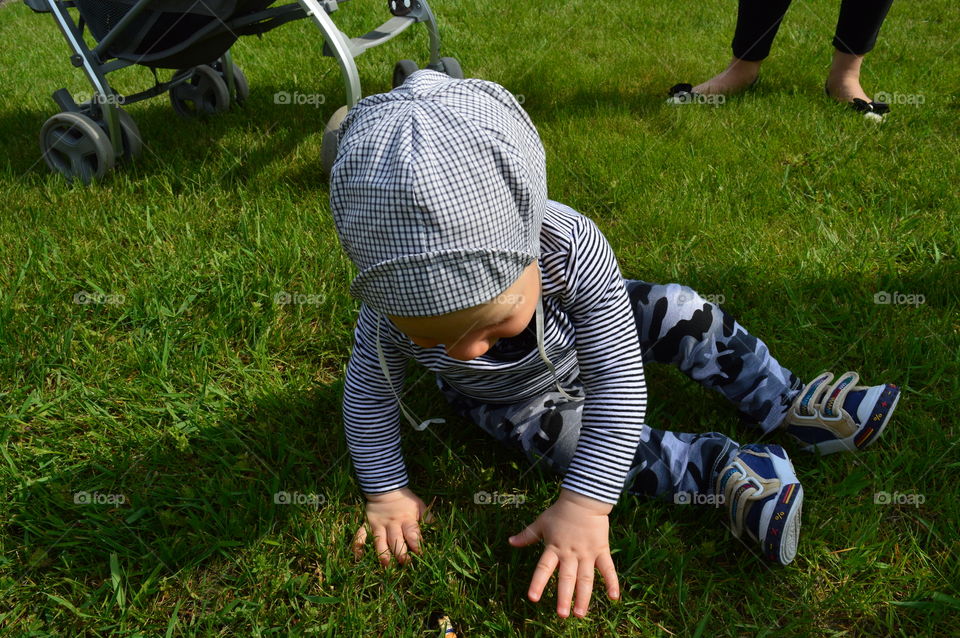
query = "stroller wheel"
x=240 y=85
x=132 y=142
x=402 y=70
x=205 y=93
x=328 y=148
x=74 y=146
x=451 y=67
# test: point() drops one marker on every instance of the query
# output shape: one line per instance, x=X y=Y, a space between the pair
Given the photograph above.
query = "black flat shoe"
x=682 y=94
x=870 y=110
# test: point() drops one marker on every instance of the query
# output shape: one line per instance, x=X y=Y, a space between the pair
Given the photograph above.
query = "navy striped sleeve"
x=371 y=414
x=611 y=367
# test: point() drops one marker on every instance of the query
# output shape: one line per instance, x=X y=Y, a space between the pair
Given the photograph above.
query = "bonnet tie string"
x=413 y=419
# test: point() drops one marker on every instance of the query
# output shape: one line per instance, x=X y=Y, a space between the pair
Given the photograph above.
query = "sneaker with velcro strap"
x=764 y=498
x=842 y=417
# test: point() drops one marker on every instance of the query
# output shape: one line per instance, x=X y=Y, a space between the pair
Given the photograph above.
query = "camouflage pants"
x=675 y=326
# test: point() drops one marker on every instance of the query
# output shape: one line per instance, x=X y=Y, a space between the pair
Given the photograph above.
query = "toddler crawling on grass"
x=517 y=304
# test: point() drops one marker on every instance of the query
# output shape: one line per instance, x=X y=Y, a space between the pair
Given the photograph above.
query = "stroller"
x=193 y=37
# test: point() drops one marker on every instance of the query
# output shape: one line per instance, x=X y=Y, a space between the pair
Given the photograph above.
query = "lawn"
x=158 y=388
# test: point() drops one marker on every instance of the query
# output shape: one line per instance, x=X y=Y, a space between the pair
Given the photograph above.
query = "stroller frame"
x=103 y=107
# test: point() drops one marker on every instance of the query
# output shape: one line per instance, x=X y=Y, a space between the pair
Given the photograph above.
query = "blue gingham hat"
x=438 y=194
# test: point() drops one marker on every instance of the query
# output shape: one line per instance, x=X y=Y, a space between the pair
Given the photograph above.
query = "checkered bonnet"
x=438 y=194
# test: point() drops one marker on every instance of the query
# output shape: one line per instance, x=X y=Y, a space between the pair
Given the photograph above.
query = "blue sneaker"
x=843 y=417
x=763 y=497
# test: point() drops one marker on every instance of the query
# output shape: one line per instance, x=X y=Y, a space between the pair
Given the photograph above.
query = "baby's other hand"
x=392 y=518
x=575 y=531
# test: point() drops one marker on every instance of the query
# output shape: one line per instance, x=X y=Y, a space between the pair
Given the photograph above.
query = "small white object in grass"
x=875 y=117
x=446 y=627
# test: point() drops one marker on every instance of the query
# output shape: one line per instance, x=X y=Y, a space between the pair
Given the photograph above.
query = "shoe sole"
x=859 y=440
x=782 y=547
x=783 y=528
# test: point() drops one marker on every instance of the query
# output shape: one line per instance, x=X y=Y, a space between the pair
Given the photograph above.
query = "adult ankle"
x=846 y=64
x=843 y=80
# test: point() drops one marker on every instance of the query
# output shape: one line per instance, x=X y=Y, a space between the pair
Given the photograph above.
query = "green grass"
x=196 y=397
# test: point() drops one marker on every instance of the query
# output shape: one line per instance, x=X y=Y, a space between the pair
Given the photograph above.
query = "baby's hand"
x=392 y=518
x=575 y=530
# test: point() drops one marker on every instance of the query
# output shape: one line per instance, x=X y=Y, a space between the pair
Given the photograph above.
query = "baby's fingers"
x=397 y=544
x=380 y=544
x=541 y=575
x=359 y=540
x=584 y=588
x=411 y=534
x=567 y=582
x=609 y=572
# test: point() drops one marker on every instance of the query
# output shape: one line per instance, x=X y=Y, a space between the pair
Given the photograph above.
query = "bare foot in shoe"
x=737 y=77
x=843 y=82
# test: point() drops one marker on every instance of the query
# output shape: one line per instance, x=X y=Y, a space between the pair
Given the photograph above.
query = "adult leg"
x=757 y=24
x=679 y=327
x=857 y=29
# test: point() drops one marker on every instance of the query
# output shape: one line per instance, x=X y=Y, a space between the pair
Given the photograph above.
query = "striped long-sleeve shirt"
x=588 y=322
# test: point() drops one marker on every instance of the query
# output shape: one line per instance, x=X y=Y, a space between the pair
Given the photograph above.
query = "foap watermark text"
x=898 y=498
x=114 y=99
x=313 y=99
x=510 y=300
x=98 y=498
x=699 y=98
x=899 y=298
x=284 y=298
x=900 y=99
x=299 y=498
x=697 y=498
x=689 y=297
x=84 y=298
x=499 y=498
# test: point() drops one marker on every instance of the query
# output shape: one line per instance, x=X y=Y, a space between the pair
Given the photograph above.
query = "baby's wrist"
x=581 y=500
x=386 y=497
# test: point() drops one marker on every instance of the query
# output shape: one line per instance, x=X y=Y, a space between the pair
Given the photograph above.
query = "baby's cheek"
x=465 y=351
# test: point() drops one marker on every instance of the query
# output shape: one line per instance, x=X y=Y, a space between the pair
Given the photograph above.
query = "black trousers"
x=759 y=20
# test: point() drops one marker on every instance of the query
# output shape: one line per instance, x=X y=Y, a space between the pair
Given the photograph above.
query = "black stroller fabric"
x=171 y=34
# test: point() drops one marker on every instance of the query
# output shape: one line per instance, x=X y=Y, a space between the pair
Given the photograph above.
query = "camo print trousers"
x=676 y=326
